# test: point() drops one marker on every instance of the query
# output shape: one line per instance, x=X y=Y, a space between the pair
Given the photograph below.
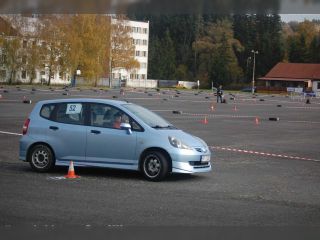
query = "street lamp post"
x=254 y=68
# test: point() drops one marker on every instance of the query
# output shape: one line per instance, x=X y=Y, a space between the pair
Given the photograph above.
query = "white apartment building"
x=140 y=38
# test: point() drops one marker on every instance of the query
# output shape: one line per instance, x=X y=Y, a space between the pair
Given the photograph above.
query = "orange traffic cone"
x=205 y=121
x=235 y=108
x=257 y=121
x=71 y=173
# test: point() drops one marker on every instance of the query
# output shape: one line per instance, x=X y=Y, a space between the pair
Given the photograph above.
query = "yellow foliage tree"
x=122 y=47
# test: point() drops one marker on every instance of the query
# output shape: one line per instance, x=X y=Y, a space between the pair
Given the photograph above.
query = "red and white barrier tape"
x=263 y=153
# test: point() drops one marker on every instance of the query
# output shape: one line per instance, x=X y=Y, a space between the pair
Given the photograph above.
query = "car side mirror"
x=126 y=126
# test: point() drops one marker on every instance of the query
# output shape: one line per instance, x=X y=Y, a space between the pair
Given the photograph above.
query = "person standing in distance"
x=219 y=94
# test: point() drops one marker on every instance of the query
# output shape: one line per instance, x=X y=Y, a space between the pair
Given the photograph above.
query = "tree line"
x=64 y=43
x=209 y=48
x=218 y=48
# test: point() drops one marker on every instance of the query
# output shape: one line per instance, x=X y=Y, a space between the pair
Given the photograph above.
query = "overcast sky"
x=299 y=17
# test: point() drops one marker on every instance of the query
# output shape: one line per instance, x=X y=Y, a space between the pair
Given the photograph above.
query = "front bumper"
x=189 y=163
x=186 y=167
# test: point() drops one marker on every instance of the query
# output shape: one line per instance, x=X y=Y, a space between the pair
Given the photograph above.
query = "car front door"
x=107 y=143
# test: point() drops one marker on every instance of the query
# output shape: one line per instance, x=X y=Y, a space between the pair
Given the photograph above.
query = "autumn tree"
x=33 y=60
x=303 y=44
x=51 y=45
x=216 y=48
x=11 y=48
x=122 y=46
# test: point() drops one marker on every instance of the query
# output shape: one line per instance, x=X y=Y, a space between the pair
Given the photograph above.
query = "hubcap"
x=152 y=166
x=40 y=158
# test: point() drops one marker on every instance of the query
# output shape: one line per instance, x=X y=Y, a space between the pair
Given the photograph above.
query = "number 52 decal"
x=74 y=108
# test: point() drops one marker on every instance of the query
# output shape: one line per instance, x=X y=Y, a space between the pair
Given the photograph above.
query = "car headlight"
x=178 y=144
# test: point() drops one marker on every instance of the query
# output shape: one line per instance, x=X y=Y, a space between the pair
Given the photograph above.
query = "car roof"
x=91 y=100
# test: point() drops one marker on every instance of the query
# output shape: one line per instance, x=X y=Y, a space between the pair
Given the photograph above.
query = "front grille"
x=198 y=163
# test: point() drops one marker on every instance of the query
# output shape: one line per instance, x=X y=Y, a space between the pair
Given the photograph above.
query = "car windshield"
x=148 y=117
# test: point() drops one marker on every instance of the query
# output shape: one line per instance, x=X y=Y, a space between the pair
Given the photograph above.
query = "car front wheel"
x=154 y=166
x=41 y=158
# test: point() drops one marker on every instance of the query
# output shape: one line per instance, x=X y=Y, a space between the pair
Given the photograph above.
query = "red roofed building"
x=283 y=75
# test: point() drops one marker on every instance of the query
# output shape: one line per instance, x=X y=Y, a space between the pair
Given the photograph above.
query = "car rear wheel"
x=154 y=166
x=41 y=158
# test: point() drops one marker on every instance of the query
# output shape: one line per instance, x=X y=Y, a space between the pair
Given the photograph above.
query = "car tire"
x=41 y=158
x=154 y=166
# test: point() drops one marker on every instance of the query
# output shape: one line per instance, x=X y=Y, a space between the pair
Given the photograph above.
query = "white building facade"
x=140 y=38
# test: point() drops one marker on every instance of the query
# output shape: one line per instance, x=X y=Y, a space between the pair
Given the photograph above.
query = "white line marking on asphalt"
x=56 y=178
x=304 y=122
x=264 y=154
x=7 y=100
x=11 y=133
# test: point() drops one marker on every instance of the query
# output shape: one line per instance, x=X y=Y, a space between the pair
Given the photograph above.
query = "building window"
x=24 y=44
x=137 y=53
x=145 y=42
x=318 y=85
x=144 y=53
x=3 y=59
x=61 y=75
x=24 y=59
x=24 y=74
x=145 y=30
x=143 y=76
x=143 y=65
x=3 y=74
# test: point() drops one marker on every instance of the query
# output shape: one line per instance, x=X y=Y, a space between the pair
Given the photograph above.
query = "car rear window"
x=69 y=112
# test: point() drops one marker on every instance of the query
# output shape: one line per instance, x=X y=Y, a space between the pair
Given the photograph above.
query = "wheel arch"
x=163 y=151
x=40 y=143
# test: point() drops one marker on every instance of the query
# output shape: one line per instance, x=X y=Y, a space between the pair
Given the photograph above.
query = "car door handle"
x=53 y=128
x=95 y=131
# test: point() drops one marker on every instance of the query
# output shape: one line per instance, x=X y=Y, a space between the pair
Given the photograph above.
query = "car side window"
x=103 y=115
x=47 y=110
x=70 y=113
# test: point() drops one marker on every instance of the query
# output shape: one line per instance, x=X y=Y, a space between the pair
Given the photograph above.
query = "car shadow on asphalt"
x=96 y=172
x=120 y=174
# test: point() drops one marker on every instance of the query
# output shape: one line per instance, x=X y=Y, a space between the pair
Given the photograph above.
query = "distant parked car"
x=248 y=89
x=309 y=94
x=106 y=133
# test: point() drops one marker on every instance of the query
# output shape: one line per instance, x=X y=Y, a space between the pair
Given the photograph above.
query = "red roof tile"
x=295 y=71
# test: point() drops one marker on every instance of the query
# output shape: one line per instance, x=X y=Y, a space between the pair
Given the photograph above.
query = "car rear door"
x=66 y=132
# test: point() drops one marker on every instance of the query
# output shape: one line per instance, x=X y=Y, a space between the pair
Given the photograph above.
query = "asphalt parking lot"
x=265 y=173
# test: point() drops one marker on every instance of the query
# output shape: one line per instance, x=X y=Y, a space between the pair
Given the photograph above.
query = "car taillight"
x=25 y=126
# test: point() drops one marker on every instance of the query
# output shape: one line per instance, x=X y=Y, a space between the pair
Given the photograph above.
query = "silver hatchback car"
x=107 y=133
